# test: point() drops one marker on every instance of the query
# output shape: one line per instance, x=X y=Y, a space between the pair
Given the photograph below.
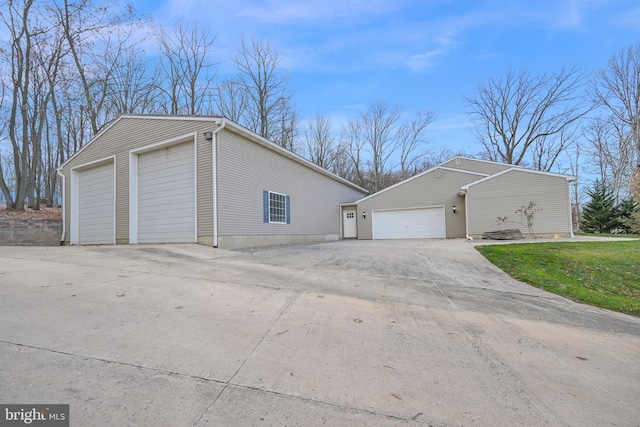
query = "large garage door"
x=166 y=195
x=96 y=217
x=409 y=224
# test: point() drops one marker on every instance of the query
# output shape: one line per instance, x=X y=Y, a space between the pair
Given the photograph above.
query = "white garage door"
x=166 y=195
x=409 y=224
x=96 y=204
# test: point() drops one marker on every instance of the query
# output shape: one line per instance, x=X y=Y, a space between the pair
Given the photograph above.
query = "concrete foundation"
x=238 y=242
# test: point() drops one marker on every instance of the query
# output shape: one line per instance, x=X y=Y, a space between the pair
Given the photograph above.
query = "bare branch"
x=516 y=113
x=617 y=87
x=188 y=74
x=269 y=111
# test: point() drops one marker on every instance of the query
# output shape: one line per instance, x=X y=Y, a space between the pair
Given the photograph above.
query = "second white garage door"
x=166 y=195
x=96 y=212
x=421 y=223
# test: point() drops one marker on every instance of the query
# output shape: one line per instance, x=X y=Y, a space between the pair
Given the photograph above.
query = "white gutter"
x=462 y=192
x=214 y=159
x=64 y=220
x=570 y=207
x=466 y=216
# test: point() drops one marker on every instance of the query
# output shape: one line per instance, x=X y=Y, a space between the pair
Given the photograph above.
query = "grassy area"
x=603 y=274
x=622 y=236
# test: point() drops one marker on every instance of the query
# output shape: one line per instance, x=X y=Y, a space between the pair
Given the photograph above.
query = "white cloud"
x=347 y=36
x=422 y=61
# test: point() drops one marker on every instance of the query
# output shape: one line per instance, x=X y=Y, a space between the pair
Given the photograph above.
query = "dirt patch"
x=43 y=213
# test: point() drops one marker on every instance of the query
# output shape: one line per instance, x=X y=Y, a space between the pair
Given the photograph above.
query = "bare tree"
x=88 y=25
x=319 y=142
x=383 y=148
x=70 y=68
x=186 y=68
x=514 y=112
x=547 y=149
x=134 y=85
x=612 y=153
x=269 y=111
x=413 y=139
x=618 y=88
x=574 y=158
x=33 y=51
x=231 y=99
x=342 y=164
x=7 y=181
x=379 y=125
x=353 y=141
x=52 y=153
x=286 y=129
x=6 y=171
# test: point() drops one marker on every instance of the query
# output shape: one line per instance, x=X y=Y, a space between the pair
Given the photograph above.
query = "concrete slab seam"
x=442 y=292
x=320 y=402
x=548 y=296
x=455 y=280
x=288 y=305
x=115 y=362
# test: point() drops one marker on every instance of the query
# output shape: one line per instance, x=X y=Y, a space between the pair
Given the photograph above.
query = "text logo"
x=34 y=415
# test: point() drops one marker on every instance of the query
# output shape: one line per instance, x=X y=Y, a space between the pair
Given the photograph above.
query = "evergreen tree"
x=600 y=215
x=629 y=216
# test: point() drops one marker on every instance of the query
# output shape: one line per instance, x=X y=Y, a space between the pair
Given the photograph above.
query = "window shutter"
x=265 y=205
x=288 y=210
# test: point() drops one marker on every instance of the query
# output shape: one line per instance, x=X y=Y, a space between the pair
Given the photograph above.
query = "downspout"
x=214 y=160
x=466 y=218
x=570 y=208
x=64 y=208
x=463 y=192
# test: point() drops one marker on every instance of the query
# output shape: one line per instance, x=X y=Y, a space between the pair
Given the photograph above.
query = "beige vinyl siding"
x=246 y=169
x=427 y=190
x=473 y=165
x=504 y=194
x=205 y=186
x=129 y=133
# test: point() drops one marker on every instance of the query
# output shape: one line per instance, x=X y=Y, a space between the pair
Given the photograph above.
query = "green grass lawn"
x=603 y=274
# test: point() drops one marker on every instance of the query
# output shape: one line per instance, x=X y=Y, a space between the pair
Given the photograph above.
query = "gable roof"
x=221 y=122
x=481 y=161
x=420 y=175
x=105 y=128
x=482 y=176
x=569 y=178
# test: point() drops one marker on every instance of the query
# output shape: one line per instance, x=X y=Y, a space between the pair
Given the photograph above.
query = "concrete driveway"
x=345 y=333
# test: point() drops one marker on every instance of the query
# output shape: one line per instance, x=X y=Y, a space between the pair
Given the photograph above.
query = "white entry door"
x=350 y=225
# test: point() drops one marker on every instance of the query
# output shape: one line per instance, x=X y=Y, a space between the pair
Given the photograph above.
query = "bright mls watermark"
x=34 y=415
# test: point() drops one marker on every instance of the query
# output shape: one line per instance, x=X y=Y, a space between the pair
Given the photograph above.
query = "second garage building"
x=464 y=197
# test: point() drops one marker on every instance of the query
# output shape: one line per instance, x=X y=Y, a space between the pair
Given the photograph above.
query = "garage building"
x=464 y=197
x=208 y=180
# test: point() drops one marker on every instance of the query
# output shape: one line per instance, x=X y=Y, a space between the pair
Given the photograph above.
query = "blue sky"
x=420 y=54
